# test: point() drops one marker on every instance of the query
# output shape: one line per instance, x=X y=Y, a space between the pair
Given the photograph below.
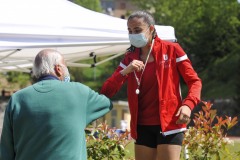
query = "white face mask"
x=138 y=40
x=66 y=74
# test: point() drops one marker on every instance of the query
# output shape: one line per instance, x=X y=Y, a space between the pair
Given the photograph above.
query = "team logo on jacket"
x=165 y=57
x=166 y=61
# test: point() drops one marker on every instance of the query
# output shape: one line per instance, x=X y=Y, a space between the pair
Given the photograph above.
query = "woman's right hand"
x=135 y=65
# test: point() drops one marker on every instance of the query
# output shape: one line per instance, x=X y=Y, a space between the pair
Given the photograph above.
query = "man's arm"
x=97 y=106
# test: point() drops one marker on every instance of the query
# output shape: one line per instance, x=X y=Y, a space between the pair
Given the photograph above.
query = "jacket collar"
x=157 y=46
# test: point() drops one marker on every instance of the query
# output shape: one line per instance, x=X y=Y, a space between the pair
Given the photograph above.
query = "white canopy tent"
x=28 y=26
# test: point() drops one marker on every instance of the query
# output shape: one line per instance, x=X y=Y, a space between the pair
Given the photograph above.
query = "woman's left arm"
x=193 y=82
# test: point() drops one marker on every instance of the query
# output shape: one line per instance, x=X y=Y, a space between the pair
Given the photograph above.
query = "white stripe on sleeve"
x=181 y=58
x=122 y=65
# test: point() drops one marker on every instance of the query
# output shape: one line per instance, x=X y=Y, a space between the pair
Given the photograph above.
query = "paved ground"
x=236 y=139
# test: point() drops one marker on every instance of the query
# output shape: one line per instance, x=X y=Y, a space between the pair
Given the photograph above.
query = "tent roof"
x=27 y=26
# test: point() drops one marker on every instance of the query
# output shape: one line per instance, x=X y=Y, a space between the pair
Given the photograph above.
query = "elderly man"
x=46 y=121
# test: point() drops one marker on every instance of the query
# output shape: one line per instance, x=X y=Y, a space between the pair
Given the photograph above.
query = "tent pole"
x=10 y=54
x=110 y=58
x=71 y=64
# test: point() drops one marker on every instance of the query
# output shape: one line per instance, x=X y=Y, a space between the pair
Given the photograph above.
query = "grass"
x=130 y=148
x=231 y=150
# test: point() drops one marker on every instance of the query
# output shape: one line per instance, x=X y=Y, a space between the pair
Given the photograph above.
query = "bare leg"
x=145 y=153
x=168 y=152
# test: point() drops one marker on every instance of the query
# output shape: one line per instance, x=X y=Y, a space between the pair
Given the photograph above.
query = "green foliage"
x=108 y=144
x=237 y=89
x=221 y=77
x=18 y=78
x=207 y=138
x=94 y=5
x=208 y=31
x=96 y=76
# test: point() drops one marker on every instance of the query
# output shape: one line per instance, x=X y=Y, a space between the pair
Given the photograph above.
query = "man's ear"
x=152 y=28
x=57 y=70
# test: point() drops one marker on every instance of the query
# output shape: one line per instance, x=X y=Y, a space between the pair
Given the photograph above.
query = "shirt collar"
x=48 y=77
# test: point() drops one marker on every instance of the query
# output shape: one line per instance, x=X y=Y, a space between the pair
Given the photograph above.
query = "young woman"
x=151 y=67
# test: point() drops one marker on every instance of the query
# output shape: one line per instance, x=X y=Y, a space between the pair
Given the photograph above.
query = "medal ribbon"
x=137 y=79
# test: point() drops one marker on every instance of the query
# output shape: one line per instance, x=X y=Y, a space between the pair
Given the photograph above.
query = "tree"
x=208 y=31
x=237 y=98
x=94 y=77
x=238 y=71
x=94 y=5
x=18 y=79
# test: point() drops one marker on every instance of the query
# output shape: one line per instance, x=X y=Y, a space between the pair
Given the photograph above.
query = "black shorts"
x=150 y=136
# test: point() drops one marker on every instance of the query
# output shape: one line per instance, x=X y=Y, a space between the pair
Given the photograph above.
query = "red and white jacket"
x=170 y=61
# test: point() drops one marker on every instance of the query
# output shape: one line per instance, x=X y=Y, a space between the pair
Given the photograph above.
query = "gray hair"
x=147 y=17
x=45 y=62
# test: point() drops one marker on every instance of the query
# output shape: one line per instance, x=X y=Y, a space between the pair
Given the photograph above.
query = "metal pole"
x=186 y=155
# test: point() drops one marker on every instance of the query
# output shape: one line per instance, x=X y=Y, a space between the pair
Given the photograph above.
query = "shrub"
x=105 y=143
x=207 y=138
